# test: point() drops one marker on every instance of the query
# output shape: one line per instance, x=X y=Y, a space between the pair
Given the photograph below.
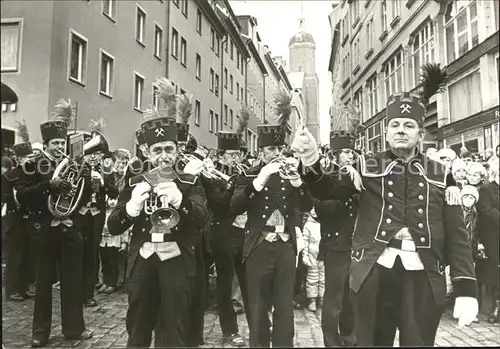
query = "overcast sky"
x=278 y=22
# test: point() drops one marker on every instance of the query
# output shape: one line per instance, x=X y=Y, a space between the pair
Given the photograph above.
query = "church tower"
x=303 y=59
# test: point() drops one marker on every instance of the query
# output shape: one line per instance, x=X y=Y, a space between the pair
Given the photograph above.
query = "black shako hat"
x=22 y=149
x=140 y=136
x=228 y=140
x=182 y=131
x=53 y=129
x=341 y=140
x=271 y=135
x=405 y=105
x=159 y=130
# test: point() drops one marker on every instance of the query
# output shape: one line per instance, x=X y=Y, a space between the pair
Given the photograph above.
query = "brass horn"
x=64 y=204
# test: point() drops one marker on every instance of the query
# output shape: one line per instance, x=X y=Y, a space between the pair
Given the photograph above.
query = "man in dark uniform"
x=161 y=259
x=405 y=234
x=337 y=219
x=20 y=271
x=58 y=240
x=93 y=215
x=272 y=205
x=227 y=235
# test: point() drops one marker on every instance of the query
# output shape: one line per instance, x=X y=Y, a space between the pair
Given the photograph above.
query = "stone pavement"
x=108 y=323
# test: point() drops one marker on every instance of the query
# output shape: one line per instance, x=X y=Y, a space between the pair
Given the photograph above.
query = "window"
x=184 y=8
x=242 y=64
x=237 y=91
x=216 y=122
x=108 y=8
x=197 y=111
x=211 y=82
x=225 y=114
x=212 y=39
x=423 y=50
x=106 y=74
x=225 y=44
x=78 y=58
x=465 y=96
x=138 y=91
x=346 y=67
x=355 y=58
x=231 y=83
x=158 y=36
x=175 y=43
x=231 y=118
x=241 y=93
x=374 y=138
x=11 y=45
x=394 y=75
x=183 y=51
x=354 y=13
x=396 y=9
x=358 y=103
x=198 y=66
x=370 y=34
x=176 y=2
x=231 y=52
x=461 y=29
x=345 y=27
x=225 y=78
x=372 y=96
x=156 y=100
x=217 y=45
x=238 y=59
x=199 y=21
x=384 y=15
x=211 y=121
x=217 y=85
x=140 y=25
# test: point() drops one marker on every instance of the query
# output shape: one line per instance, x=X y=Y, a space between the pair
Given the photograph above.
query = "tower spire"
x=301 y=17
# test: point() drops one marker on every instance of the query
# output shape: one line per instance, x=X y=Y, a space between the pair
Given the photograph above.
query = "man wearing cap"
x=337 y=219
x=227 y=235
x=161 y=261
x=405 y=234
x=57 y=240
x=273 y=207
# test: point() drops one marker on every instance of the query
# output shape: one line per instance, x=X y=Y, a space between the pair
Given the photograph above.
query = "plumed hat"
x=275 y=134
x=58 y=127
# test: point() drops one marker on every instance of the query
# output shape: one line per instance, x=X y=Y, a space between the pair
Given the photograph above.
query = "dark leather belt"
x=403 y=245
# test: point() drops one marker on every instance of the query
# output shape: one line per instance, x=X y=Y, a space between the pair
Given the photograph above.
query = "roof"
x=301 y=37
x=296 y=79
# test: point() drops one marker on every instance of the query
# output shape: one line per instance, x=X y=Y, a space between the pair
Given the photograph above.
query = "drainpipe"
x=167 y=42
x=221 y=81
x=246 y=98
x=264 y=99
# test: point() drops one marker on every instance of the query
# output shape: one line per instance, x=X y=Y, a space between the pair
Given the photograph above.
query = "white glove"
x=306 y=260
x=305 y=145
x=452 y=196
x=139 y=195
x=465 y=310
x=170 y=190
x=296 y=182
x=264 y=175
x=194 y=167
x=97 y=175
x=301 y=244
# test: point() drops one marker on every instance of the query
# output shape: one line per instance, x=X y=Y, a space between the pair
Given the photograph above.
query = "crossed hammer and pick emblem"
x=405 y=108
x=159 y=132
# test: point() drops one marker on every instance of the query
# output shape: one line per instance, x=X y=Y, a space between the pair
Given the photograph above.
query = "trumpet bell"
x=165 y=218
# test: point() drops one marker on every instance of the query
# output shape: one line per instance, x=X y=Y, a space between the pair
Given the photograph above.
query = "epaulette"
x=251 y=172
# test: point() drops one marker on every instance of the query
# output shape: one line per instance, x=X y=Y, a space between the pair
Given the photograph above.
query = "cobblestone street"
x=108 y=323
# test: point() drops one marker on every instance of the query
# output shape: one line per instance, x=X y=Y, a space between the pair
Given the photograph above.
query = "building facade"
x=383 y=46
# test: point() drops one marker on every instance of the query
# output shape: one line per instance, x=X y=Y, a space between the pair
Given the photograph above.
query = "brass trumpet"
x=287 y=169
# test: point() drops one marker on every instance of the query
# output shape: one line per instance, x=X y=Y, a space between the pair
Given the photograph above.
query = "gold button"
x=284 y=206
x=282 y=188
x=143 y=229
x=267 y=197
x=390 y=207
x=420 y=197
x=420 y=184
x=390 y=195
x=420 y=225
x=388 y=220
x=346 y=203
x=422 y=239
x=390 y=182
x=350 y=214
x=263 y=216
x=266 y=207
x=337 y=234
x=383 y=233
x=265 y=188
x=286 y=216
x=420 y=211
x=284 y=197
x=282 y=181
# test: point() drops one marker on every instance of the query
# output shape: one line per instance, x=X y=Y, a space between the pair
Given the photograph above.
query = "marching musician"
x=93 y=215
x=406 y=232
x=273 y=207
x=161 y=262
x=337 y=219
x=227 y=233
x=58 y=240
x=20 y=269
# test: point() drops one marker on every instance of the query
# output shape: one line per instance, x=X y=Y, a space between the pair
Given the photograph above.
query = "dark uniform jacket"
x=398 y=195
x=34 y=191
x=488 y=208
x=277 y=194
x=193 y=215
x=336 y=219
x=109 y=188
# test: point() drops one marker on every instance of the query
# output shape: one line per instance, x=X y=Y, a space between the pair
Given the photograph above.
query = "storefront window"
x=472 y=146
x=487 y=137
x=465 y=97
x=374 y=138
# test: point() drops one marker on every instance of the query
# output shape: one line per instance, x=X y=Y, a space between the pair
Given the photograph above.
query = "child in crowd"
x=459 y=172
x=476 y=174
x=315 y=279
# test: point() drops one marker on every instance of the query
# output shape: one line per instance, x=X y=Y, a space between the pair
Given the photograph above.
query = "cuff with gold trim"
x=464 y=287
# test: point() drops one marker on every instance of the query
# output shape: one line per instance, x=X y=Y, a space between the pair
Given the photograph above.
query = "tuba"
x=64 y=204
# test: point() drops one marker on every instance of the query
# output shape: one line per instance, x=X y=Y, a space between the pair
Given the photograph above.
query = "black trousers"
x=227 y=251
x=270 y=273
x=159 y=299
x=63 y=246
x=396 y=298
x=109 y=259
x=92 y=232
x=337 y=319
x=20 y=271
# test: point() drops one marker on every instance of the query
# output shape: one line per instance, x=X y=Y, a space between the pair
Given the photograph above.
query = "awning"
x=8 y=95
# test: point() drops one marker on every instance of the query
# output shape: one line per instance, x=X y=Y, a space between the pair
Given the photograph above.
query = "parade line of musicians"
x=380 y=237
